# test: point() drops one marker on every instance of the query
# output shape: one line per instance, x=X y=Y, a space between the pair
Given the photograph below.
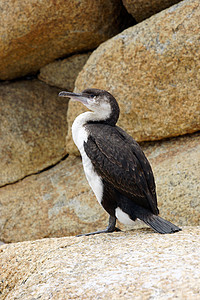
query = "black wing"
x=120 y=161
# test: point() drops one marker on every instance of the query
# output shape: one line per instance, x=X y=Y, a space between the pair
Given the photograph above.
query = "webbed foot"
x=110 y=228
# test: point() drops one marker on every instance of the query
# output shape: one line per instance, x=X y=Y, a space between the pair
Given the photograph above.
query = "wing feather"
x=119 y=160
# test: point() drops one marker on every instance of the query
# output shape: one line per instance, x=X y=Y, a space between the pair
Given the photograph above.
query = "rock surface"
x=153 y=71
x=56 y=202
x=63 y=73
x=176 y=165
x=108 y=266
x=34 y=33
x=59 y=201
x=143 y=9
x=32 y=128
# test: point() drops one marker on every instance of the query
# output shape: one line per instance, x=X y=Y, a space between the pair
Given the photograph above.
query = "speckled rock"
x=56 y=202
x=34 y=33
x=32 y=128
x=59 y=201
x=142 y=9
x=109 y=266
x=153 y=71
x=176 y=165
x=63 y=73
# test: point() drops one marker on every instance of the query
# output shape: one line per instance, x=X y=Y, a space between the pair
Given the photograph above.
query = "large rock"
x=63 y=73
x=176 y=165
x=153 y=71
x=142 y=9
x=32 y=128
x=56 y=202
x=139 y=265
x=34 y=33
x=59 y=201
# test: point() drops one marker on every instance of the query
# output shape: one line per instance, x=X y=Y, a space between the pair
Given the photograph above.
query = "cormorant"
x=115 y=166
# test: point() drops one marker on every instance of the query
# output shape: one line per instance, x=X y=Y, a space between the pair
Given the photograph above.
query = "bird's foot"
x=111 y=228
x=99 y=231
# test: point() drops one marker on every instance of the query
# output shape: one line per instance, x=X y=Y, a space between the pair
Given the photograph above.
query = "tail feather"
x=160 y=225
x=135 y=211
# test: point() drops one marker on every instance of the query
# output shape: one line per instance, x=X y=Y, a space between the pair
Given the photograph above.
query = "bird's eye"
x=92 y=96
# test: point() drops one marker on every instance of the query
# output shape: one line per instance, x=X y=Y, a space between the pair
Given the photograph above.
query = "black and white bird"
x=115 y=166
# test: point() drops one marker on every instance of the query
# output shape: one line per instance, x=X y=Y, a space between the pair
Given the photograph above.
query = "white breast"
x=80 y=136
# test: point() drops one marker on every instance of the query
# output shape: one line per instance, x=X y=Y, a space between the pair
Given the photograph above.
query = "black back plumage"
x=119 y=160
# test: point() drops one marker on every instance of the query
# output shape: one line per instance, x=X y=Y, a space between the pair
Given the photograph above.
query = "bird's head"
x=101 y=102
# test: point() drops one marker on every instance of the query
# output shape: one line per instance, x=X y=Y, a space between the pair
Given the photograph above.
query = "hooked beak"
x=74 y=96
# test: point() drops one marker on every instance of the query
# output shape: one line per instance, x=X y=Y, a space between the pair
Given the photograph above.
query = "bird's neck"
x=108 y=116
x=90 y=117
x=79 y=133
